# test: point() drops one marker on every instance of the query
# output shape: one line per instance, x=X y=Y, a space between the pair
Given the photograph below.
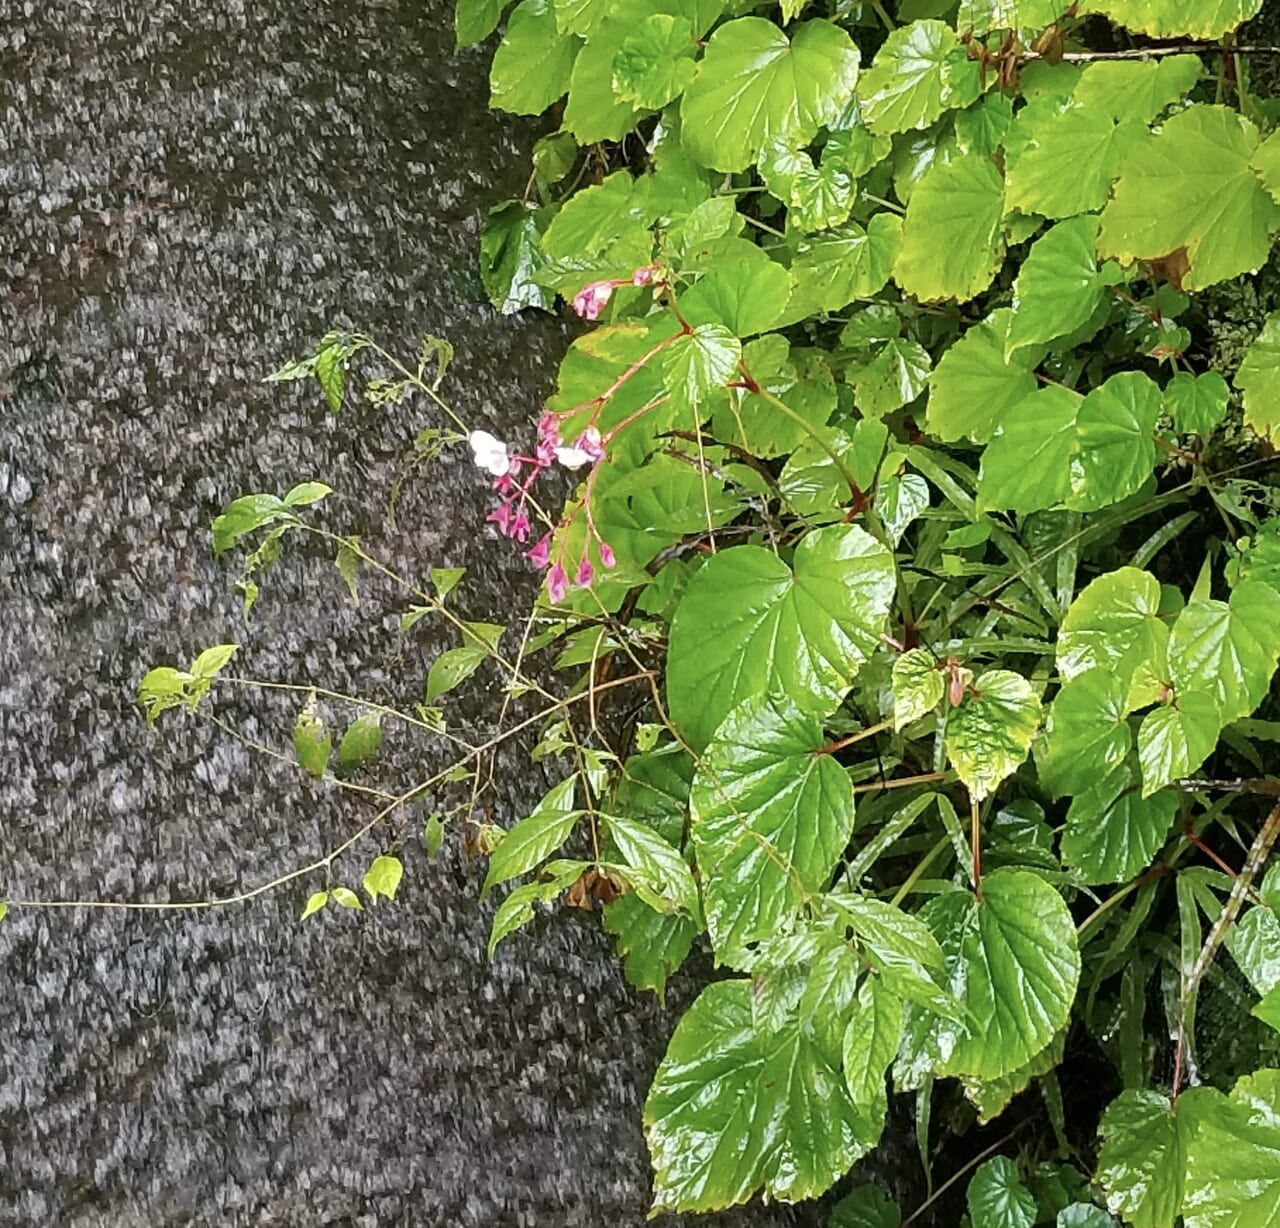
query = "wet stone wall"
x=189 y=193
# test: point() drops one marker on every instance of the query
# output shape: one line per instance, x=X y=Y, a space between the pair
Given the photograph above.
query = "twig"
x=1148 y=53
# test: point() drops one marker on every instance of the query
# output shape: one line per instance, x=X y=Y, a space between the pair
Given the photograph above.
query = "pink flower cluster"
x=590 y=301
x=512 y=514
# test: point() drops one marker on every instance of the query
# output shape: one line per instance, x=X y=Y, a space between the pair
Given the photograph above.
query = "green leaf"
x=445 y=579
x=554 y=156
x=981 y=128
x=244 y=515
x=1254 y=943
x=831 y=270
x=755 y=85
x=433 y=834
x=1259 y=378
x=1197 y=403
x=315 y=902
x=652 y=944
x=801 y=379
x=952 y=244
x=662 y=866
x=989 y=734
x=1189 y=188
x=533 y=64
x=1083 y=1215
x=1174 y=18
x=1233 y=1158
x=306 y=493
x=517 y=909
x=1086 y=735
x=1228 y=649
x=992 y=1096
x=475 y=20
x=594 y=112
x=1021 y=15
x=1177 y=738
x=997 y=1198
x=212 y=661
x=917 y=686
x=731 y=1109
x=1268 y=1009
x=346 y=897
x=1114 y=624
x=900 y=500
x=922 y=70
x=1062 y=157
x=1143 y=1158
x=978 y=381
x=746 y=292
x=361 y=741
x=1021 y=962
x=1113 y=833
x=810 y=481
x=534 y=838
x=383 y=877
x=700 y=363
x=1117 y=450
x=769 y=820
x=1137 y=89
x=865 y=1206
x=511 y=257
x=1059 y=286
x=452 y=668
x=748 y=624
x=311 y=741
x=1027 y=465
x=163 y=688
x=894 y=377
x=347 y=561
x=655 y=61
x=870 y=1044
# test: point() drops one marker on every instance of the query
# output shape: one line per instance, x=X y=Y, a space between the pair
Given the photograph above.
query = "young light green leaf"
x=1176 y=738
x=769 y=820
x=517 y=909
x=989 y=734
x=315 y=902
x=952 y=245
x=213 y=660
x=1114 y=624
x=755 y=85
x=655 y=61
x=831 y=270
x=1190 y=189
x=1113 y=833
x=745 y=292
x=707 y=1152
x=361 y=741
x=1196 y=403
x=475 y=20
x=748 y=624
x=1059 y=286
x=347 y=561
x=383 y=877
x=311 y=741
x=1136 y=89
x=306 y=493
x=1028 y=464
x=699 y=365
x=997 y=1198
x=433 y=834
x=1117 y=451
x=453 y=667
x=917 y=686
x=1086 y=735
x=979 y=380
x=1258 y=378
x=533 y=64
x=922 y=70
x=244 y=515
x=534 y=838
x=664 y=869
x=346 y=897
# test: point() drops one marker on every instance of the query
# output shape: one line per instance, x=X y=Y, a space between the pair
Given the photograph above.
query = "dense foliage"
x=921 y=586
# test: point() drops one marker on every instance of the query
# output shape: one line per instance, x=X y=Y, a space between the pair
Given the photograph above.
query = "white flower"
x=574 y=457
x=489 y=453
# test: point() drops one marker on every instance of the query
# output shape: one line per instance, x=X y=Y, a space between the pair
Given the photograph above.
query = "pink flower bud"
x=586 y=573
x=540 y=555
x=557 y=584
x=589 y=444
x=607 y=557
x=501 y=516
x=549 y=429
x=520 y=526
x=590 y=301
x=643 y=276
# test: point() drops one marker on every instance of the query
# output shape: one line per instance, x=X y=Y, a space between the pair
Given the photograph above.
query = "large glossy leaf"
x=510 y=257
x=952 y=243
x=1014 y=959
x=1112 y=831
x=1233 y=1159
x=1114 y=624
x=699 y=364
x=1059 y=286
x=746 y=292
x=770 y=818
x=655 y=61
x=532 y=66
x=748 y=624
x=1228 y=649
x=831 y=270
x=1190 y=189
x=1176 y=18
x=1258 y=378
x=1176 y=738
x=975 y=385
x=922 y=70
x=1137 y=89
x=755 y=85
x=1117 y=451
x=1027 y=466
x=989 y=734
x=734 y=1109
x=1143 y=1158
x=870 y=1044
x=652 y=944
x=997 y=1198
x=1086 y=735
